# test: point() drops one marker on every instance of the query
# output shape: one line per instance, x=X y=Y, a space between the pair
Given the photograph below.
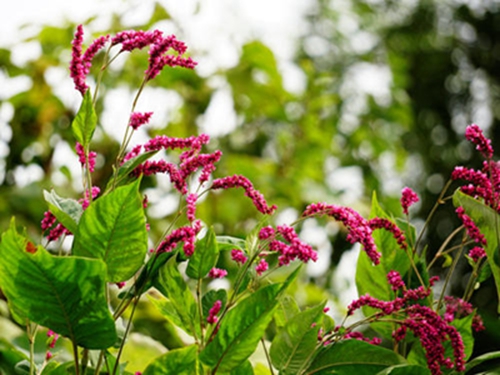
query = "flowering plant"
x=70 y=293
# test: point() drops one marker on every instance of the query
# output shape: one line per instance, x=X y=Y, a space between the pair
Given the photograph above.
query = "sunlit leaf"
x=113 y=228
x=65 y=294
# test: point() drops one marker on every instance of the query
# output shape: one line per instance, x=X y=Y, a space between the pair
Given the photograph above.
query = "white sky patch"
x=220 y=117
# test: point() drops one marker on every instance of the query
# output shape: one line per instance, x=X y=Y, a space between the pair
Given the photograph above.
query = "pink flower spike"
x=474 y=134
x=472 y=230
x=48 y=356
x=217 y=273
x=261 y=267
x=212 y=313
x=395 y=280
x=76 y=66
x=137 y=119
x=408 y=198
x=477 y=253
x=238 y=256
x=191 y=206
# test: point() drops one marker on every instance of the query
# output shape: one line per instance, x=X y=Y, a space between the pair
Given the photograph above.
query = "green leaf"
x=405 y=370
x=488 y=222
x=293 y=346
x=287 y=309
x=353 y=357
x=372 y=279
x=113 y=228
x=241 y=329
x=244 y=369
x=127 y=167
x=67 y=211
x=205 y=256
x=66 y=294
x=9 y=357
x=167 y=308
x=481 y=359
x=150 y=272
x=176 y=362
x=85 y=121
x=171 y=283
x=229 y=243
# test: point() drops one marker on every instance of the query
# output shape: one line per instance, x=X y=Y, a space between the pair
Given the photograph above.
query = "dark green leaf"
x=287 y=309
x=176 y=362
x=241 y=329
x=205 y=256
x=481 y=359
x=85 y=121
x=372 y=279
x=353 y=357
x=9 y=357
x=113 y=228
x=66 y=294
x=405 y=370
x=171 y=283
x=293 y=346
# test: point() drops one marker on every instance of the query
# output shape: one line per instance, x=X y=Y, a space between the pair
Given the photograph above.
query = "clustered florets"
x=408 y=198
x=158 y=53
x=431 y=329
x=358 y=228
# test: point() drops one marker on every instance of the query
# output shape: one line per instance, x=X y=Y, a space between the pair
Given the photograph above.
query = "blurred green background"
x=383 y=92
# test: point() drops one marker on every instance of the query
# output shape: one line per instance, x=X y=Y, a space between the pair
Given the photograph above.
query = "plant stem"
x=31 y=339
x=75 y=356
x=127 y=330
x=267 y=356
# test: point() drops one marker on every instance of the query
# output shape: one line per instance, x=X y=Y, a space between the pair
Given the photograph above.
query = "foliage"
x=71 y=292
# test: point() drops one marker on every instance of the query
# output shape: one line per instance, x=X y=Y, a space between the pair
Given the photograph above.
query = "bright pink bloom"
x=238 y=256
x=359 y=336
x=477 y=253
x=266 y=232
x=395 y=280
x=408 y=198
x=158 y=57
x=183 y=234
x=474 y=134
x=48 y=220
x=132 y=153
x=171 y=143
x=262 y=267
x=217 y=273
x=191 y=206
x=212 y=313
x=243 y=182
x=136 y=39
x=137 y=119
x=81 y=157
x=48 y=356
x=381 y=223
x=76 y=66
x=57 y=232
x=91 y=51
x=358 y=228
x=472 y=230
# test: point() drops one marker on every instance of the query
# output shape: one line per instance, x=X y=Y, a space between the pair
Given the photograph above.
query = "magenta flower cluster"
x=408 y=198
x=137 y=119
x=485 y=183
x=86 y=160
x=358 y=228
x=291 y=248
x=429 y=327
x=130 y=40
x=214 y=310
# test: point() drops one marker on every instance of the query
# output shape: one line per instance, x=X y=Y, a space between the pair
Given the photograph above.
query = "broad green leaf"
x=127 y=167
x=488 y=222
x=168 y=310
x=67 y=211
x=244 y=369
x=176 y=362
x=287 y=309
x=241 y=329
x=353 y=357
x=85 y=121
x=205 y=256
x=149 y=273
x=372 y=279
x=229 y=243
x=172 y=285
x=293 y=346
x=113 y=228
x=481 y=359
x=405 y=370
x=65 y=294
x=9 y=357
